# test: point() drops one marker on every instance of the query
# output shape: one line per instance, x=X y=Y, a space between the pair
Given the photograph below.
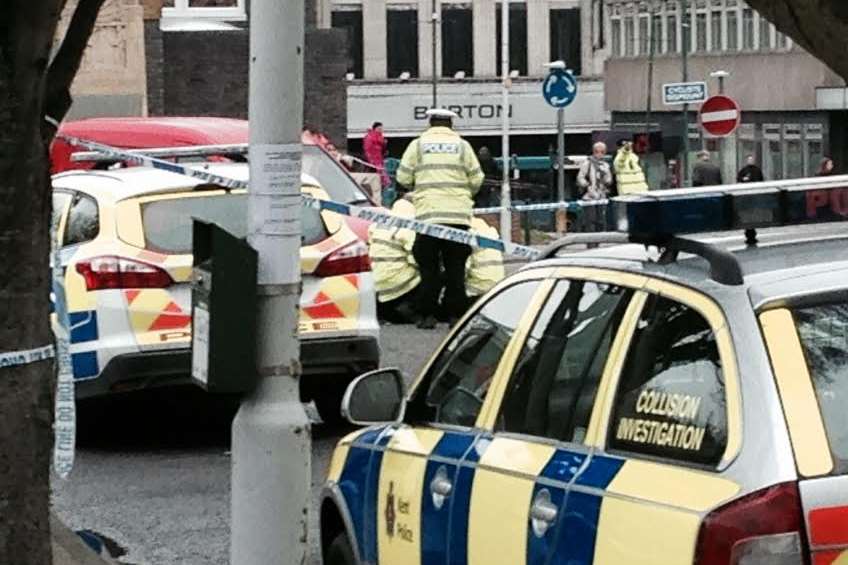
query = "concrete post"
x=506 y=198
x=484 y=37
x=271 y=469
x=374 y=39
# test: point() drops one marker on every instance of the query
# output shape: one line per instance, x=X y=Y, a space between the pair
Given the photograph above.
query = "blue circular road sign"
x=560 y=88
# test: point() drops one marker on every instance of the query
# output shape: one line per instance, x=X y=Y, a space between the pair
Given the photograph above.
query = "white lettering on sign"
x=440 y=148
x=684 y=93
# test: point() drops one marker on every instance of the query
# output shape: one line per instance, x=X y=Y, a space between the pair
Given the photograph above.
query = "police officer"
x=444 y=173
x=485 y=267
x=396 y=275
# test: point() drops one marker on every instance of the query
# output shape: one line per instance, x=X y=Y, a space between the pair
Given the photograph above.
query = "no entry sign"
x=720 y=116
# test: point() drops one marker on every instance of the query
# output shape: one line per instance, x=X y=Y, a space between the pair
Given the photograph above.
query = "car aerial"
x=126 y=245
x=667 y=400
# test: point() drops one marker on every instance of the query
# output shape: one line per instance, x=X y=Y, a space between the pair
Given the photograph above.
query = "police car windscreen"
x=168 y=222
x=332 y=177
x=824 y=336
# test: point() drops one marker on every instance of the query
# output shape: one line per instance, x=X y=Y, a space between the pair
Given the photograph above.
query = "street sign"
x=560 y=88
x=720 y=116
x=684 y=93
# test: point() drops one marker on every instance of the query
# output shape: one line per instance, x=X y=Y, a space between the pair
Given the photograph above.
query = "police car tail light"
x=762 y=528
x=108 y=272
x=352 y=258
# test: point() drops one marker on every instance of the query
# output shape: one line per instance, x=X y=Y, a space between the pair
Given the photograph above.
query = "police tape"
x=569 y=206
x=26 y=356
x=376 y=216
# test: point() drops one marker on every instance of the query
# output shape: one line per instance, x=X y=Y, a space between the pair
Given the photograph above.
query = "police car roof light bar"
x=742 y=207
x=165 y=152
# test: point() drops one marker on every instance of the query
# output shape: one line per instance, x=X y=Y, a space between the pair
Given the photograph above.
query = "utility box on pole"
x=223 y=345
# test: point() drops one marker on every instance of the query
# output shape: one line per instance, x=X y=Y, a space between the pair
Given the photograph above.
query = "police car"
x=670 y=400
x=126 y=245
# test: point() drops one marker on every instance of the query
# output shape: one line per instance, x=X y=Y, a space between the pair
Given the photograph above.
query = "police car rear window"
x=823 y=330
x=168 y=223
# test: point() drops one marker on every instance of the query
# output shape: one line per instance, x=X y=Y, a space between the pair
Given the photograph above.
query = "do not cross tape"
x=376 y=216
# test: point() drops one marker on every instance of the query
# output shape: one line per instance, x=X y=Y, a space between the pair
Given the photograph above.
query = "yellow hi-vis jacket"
x=484 y=268
x=628 y=173
x=445 y=174
x=390 y=250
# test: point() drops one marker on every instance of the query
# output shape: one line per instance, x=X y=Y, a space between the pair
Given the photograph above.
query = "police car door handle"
x=543 y=513
x=441 y=486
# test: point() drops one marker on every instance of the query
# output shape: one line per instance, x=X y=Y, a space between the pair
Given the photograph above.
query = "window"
x=216 y=9
x=168 y=223
x=629 y=36
x=793 y=150
x=455 y=387
x=566 y=38
x=671 y=400
x=517 y=38
x=351 y=22
x=402 y=41
x=823 y=330
x=701 y=32
x=60 y=205
x=457 y=40
x=765 y=34
x=747 y=28
x=782 y=40
x=615 y=31
x=671 y=34
x=552 y=391
x=716 y=31
x=642 y=46
x=83 y=221
x=732 y=30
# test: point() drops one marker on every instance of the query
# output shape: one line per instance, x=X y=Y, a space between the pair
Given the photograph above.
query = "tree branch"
x=66 y=63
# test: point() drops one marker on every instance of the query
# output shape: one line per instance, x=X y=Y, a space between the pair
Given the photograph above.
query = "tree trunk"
x=819 y=26
x=27 y=29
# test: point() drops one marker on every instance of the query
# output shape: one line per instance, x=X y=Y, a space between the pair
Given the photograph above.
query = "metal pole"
x=271 y=451
x=506 y=198
x=561 y=215
x=651 y=56
x=685 y=28
x=435 y=19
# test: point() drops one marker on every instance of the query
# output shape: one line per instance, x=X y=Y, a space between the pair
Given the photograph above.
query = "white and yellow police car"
x=125 y=239
x=670 y=401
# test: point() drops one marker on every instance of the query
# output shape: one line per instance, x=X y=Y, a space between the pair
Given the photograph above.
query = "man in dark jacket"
x=706 y=173
x=750 y=172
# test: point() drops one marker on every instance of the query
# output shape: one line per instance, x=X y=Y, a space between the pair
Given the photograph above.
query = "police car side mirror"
x=377 y=397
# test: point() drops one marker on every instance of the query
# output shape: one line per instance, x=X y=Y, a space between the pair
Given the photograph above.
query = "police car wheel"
x=339 y=552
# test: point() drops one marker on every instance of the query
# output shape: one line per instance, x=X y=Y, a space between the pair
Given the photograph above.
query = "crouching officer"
x=444 y=174
x=396 y=275
x=485 y=267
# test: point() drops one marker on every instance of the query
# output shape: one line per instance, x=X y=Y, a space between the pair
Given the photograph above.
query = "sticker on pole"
x=274 y=209
x=720 y=116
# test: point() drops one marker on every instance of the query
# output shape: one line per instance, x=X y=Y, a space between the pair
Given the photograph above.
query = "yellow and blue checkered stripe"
x=84 y=330
x=597 y=495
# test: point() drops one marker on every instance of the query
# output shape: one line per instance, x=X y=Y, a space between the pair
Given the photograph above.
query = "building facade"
x=791 y=113
x=391 y=66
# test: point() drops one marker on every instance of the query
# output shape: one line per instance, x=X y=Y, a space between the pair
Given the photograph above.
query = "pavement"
x=152 y=475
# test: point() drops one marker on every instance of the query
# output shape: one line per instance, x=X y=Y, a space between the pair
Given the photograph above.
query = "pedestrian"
x=396 y=276
x=444 y=174
x=491 y=174
x=594 y=180
x=485 y=267
x=375 y=147
x=705 y=172
x=826 y=167
x=750 y=172
x=630 y=177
